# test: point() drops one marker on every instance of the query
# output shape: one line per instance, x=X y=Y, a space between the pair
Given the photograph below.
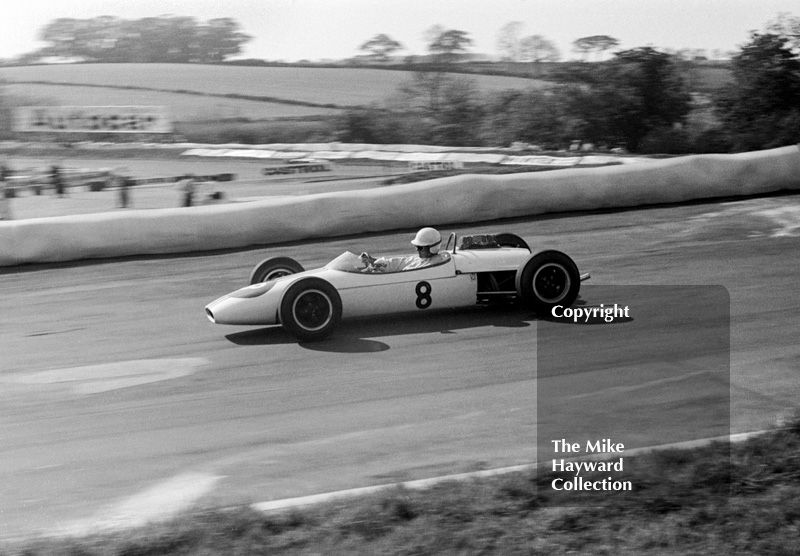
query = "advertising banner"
x=92 y=119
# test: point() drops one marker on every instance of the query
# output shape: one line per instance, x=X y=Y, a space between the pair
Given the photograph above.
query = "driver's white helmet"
x=428 y=237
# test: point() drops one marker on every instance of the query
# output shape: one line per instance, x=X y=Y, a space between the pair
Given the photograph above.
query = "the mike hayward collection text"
x=578 y=482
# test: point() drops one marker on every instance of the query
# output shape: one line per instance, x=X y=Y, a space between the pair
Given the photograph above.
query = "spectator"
x=187 y=187
x=5 y=198
x=123 y=190
x=57 y=180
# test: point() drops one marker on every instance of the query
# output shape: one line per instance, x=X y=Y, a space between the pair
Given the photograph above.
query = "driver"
x=427 y=242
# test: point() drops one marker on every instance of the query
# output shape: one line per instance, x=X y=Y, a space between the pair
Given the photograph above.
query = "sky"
x=292 y=30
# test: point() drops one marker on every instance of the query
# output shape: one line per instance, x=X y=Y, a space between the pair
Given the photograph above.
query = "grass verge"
x=721 y=499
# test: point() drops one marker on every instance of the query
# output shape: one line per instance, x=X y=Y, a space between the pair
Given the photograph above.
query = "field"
x=255 y=104
x=168 y=85
x=183 y=107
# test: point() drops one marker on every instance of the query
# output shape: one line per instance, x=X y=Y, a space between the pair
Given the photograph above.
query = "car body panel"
x=489 y=260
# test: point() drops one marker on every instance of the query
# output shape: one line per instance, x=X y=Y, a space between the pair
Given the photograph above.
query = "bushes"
x=307 y=130
x=762 y=107
x=638 y=100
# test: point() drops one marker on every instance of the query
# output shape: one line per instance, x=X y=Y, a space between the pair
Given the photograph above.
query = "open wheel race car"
x=472 y=270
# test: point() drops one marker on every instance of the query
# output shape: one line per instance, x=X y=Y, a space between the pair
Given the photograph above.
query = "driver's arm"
x=371 y=263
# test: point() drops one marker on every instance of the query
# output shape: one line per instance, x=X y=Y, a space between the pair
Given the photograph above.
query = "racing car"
x=472 y=270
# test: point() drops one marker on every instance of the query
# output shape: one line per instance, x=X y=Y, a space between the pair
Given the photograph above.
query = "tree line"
x=641 y=99
x=172 y=39
x=446 y=44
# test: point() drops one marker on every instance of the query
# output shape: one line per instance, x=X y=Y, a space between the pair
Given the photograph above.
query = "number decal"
x=424 y=295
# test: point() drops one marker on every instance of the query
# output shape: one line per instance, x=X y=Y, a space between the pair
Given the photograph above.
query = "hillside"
x=266 y=104
x=180 y=86
x=183 y=107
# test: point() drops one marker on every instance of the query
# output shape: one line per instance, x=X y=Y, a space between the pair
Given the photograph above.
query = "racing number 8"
x=424 y=295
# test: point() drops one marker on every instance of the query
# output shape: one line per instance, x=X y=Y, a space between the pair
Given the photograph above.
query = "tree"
x=381 y=47
x=424 y=91
x=458 y=121
x=449 y=44
x=62 y=34
x=595 y=43
x=432 y=33
x=535 y=115
x=655 y=76
x=538 y=50
x=787 y=26
x=151 y=39
x=219 y=39
x=762 y=108
x=448 y=108
x=508 y=41
x=638 y=92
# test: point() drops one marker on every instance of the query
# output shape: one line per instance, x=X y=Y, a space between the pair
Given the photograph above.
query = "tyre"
x=548 y=279
x=273 y=268
x=311 y=309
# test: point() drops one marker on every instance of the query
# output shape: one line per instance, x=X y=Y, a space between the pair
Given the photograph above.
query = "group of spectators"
x=55 y=178
x=119 y=179
x=187 y=187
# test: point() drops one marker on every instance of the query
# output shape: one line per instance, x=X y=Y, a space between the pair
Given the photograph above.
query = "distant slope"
x=337 y=86
x=182 y=107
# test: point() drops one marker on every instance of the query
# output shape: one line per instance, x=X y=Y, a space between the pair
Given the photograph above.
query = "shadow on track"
x=353 y=335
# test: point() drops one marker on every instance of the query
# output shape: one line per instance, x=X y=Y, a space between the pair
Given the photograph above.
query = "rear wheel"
x=311 y=309
x=548 y=279
x=273 y=268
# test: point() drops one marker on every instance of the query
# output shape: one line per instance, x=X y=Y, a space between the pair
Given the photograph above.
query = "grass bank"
x=721 y=499
x=310 y=129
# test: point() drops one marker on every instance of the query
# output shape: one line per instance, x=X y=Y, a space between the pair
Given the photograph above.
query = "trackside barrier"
x=435 y=166
x=450 y=200
x=174 y=179
x=403 y=156
x=300 y=168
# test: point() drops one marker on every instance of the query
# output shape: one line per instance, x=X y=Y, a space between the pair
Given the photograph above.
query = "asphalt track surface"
x=120 y=402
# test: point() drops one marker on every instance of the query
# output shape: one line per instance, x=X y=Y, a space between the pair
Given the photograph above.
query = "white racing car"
x=473 y=270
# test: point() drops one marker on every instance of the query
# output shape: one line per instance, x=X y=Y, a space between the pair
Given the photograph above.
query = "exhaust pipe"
x=585 y=277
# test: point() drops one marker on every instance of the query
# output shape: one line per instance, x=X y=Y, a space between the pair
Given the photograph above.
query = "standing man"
x=5 y=196
x=123 y=185
x=187 y=186
x=57 y=180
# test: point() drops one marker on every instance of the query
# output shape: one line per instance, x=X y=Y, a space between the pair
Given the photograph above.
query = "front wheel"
x=311 y=309
x=548 y=279
x=273 y=268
